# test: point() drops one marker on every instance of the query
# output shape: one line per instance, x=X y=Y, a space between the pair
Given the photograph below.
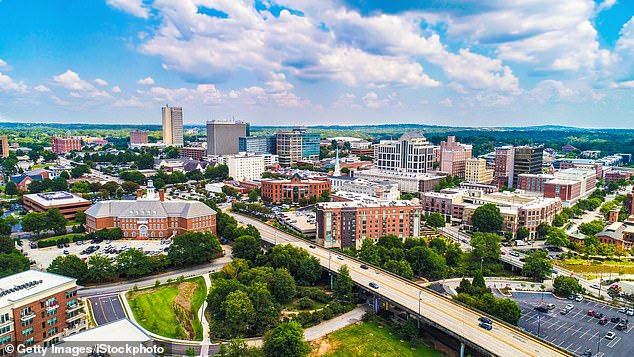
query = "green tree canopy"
x=487 y=218
x=286 y=340
x=537 y=265
x=193 y=248
x=69 y=265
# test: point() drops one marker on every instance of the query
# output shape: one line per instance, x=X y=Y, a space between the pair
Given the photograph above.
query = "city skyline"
x=348 y=62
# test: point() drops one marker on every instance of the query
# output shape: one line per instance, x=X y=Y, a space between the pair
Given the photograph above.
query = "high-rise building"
x=476 y=171
x=453 y=156
x=4 y=146
x=410 y=153
x=504 y=157
x=38 y=308
x=244 y=166
x=172 y=126
x=258 y=144
x=527 y=160
x=310 y=145
x=296 y=145
x=223 y=136
x=62 y=145
x=138 y=137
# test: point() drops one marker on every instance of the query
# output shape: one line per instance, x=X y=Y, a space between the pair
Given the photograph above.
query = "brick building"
x=67 y=203
x=151 y=217
x=38 y=308
x=62 y=145
x=138 y=137
x=294 y=189
x=193 y=152
x=348 y=224
x=453 y=156
x=617 y=175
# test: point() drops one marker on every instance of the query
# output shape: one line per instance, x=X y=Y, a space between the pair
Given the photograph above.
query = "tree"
x=566 y=285
x=614 y=291
x=133 y=263
x=557 y=238
x=111 y=187
x=130 y=187
x=170 y=152
x=59 y=184
x=507 y=310
x=537 y=265
x=426 y=262
x=144 y=161
x=79 y=171
x=65 y=175
x=343 y=285
x=486 y=246
x=100 y=268
x=286 y=340
x=35 y=222
x=132 y=175
x=238 y=312
x=487 y=218
x=435 y=220
x=522 y=233
x=591 y=228
x=193 y=248
x=6 y=224
x=282 y=286
x=7 y=245
x=56 y=221
x=400 y=268
x=11 y=189
x=80 y=217
x=69 y=265
x=560 y=219
x=542 y=229
x=246 y=247
x=253 y=195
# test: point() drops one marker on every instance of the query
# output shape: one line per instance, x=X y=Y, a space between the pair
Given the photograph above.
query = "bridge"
x=449 y=316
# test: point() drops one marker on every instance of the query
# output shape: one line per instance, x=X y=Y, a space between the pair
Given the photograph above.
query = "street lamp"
x=420 y=298
x=599 y=345
x=330 y=271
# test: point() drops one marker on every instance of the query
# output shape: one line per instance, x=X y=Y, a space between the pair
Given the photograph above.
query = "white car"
x=578 y=298
x=570 y=307
x=630 y=312
x=595 y=286
x=610 y=335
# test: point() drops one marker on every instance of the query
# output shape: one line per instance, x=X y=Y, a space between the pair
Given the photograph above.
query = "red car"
x=591 y=312
x=603 y=321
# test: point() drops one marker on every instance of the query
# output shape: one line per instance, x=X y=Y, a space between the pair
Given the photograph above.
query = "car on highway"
x=486 y=320
x=339 y=257
x=66 y=252
x=311 y=246
x=514 y=254
x=555 y=272
x=610 y=335
x=363 y=266
x=374 y=285
x=486 y=326
x=603 y=321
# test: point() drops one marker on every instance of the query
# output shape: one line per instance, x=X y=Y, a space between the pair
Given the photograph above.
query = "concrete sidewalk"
x=334 y=324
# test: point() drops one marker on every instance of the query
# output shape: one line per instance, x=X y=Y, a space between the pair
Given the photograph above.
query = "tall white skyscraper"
x=172 y=125
x=410 y=153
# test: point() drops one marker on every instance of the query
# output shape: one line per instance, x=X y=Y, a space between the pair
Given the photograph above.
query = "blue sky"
x=281 y=62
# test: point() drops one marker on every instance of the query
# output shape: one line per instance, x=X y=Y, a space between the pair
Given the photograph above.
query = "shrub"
x=305 y=303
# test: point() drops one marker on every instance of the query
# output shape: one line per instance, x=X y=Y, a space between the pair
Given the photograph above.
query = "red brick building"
x=62 y=145
x=67 y=203
x=151 y=217
x=38 y=308
x=194 y=152
x=616 y=175
x=138 y=137
x=293 y=190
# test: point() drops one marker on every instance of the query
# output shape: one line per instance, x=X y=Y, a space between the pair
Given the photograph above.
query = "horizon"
x=456 y=63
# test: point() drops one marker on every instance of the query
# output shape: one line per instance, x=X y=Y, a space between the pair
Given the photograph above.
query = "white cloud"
x=447 y=102
x=100 y=82
x=116 y=89
x=42 y=88
x=147 y=81
x=4 y=65
x=78 y=87
x=372 y=100
x=131 y=102
x=7 y=84
x=605 y=5
x=132 y=7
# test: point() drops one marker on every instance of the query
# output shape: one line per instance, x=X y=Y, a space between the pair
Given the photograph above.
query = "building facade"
x=245 y=167
x=172 y=126
x=348 y=224
x=293 y=190
x=296 y=145
x=193 y=152
x=138 y=137
x=66 y=202
x=410 y=153
x=4 y=146
x=476 y=171
x=258 y=144
x=38 y=308
x=151 y=217
x=453 y=157
x=407 y=181
x=223 y=136
x=533 y=182
x=527 y=160
x=62 y=145
x=503 y=171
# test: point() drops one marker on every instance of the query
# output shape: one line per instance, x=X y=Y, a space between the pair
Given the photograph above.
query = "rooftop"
x=118 y=331
x=50 y=199
x=27 y=283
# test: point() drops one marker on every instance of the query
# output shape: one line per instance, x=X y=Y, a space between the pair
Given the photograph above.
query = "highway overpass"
x=445 y=314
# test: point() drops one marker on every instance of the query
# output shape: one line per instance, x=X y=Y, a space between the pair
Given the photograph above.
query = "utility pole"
x=420 y=298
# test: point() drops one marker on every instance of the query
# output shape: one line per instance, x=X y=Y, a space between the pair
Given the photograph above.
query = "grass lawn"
x=368 y=339
x=594 y=268
x=153 y=308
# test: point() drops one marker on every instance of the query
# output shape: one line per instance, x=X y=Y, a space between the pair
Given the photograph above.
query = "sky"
x=319 y=62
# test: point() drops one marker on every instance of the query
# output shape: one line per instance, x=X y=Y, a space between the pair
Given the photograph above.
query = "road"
x=503 y=340
x=106 y=308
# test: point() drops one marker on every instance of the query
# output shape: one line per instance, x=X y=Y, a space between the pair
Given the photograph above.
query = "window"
x=27 y=331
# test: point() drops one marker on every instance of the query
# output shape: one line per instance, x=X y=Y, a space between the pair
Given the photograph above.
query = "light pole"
x=330 y=271
x=420 y=298
x=599 y=345
x=275 y=237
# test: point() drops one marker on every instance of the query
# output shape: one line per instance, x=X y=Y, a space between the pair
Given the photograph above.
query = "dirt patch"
x=185 y=293
x=322 y=346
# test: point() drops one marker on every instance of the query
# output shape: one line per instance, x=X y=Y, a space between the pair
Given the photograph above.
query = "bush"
x=314 y=293
x=305 y=303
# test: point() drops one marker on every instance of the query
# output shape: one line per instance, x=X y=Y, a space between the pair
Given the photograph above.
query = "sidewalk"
x=334 y=324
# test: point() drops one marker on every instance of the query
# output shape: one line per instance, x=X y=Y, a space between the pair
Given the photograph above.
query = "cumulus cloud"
x=42 y=88
x=147 y=81
x=100 y=82
x=132 y=7
x=78 y=87
x=116 y=89
x=7 y=84
x=4 y=65
x=372 y=100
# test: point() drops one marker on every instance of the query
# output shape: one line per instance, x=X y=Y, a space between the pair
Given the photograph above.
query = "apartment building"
x=38 y=308
x=410 y=153
x=453 y=157
x=138 y=137
x=293 y=190
x=476 y=171
x=62 y=145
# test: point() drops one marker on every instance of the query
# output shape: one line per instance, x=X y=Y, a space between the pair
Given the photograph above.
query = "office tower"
x=453 y=156
x=138 y=137
x=476 y=171
x=410 y=153
x=172 y=126
x=527 y=160
x=258 y=144
x=4 y=146
x=62 y=145
x=223 y=136
x=503 y=172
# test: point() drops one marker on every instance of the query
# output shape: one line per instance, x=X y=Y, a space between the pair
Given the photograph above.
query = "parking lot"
x=576 y=331
x=44 y=256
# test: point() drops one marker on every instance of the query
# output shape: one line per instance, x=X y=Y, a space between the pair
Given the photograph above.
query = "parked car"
x=550 y=306
x=571 y=297
x=591 y=312
x=564 y=311
x=578 y=298
x=615 y=319
x=622 y=310
x=603 y=321
x=630 y=312
x=595 y=286
x=599 y=315
x=610 y=335
x=621 y=325
x=570 y=307
x=541 y=308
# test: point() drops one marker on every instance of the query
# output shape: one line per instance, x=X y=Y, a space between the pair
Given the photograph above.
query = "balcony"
x=5 y=323
x=27 y=316
x=76 y=306
x=76 y=317
x=71 y=330
x=52 y=307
